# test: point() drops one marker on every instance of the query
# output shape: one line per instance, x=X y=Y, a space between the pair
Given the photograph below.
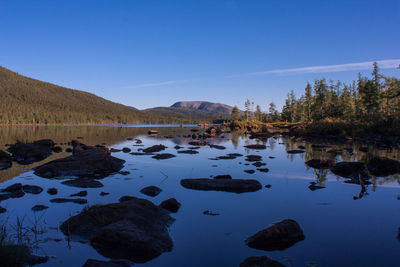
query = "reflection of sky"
x=339 y=230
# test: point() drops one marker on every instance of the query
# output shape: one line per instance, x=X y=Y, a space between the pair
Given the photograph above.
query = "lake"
x=344 y=224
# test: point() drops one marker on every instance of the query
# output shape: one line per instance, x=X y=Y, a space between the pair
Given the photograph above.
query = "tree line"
x=366 y=100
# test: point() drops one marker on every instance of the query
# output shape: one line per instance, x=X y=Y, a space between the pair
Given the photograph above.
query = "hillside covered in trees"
x=369 y=104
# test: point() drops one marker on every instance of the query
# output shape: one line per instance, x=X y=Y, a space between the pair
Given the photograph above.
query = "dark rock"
x=126 y=150
x=2 y=210
x=314 y=186
x=13 y=188
x=151 y=191
x=163 y=156
x=5 y=196
x=32 y=189
x=5 y=160
x=256 y=146
x=79 y=194
x=263 y=169
x=155 y=148
x=321 y=163
x=171 y=205
x=115 y=150
x=260 y=261
x=222 y=176
x=381 y=166
x=271 y=157
x=124 y=172
x=253 y=158
x=52 y=191
x=83 y=163
x=57 y=149
x=227 y=185
x=27 y=153
x=348 y=169
x=141 y=154
x=126 y=198
x=111 y=263
x=83 y=182
x=177 y=147
x=250 y=171
x=268 y=186
x=104 y=193
x=39 y=207
x=135 y=229
x=73 y=200
x=295 y=151
x=226 y=157
x=17 y=194
x=209 y=212
x=79 y=147
x=259 y=164
x=217 y=147
x=188 y=151
x=235 y=155
x=279 y=236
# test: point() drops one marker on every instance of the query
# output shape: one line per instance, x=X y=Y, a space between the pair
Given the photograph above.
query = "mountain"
x=25 y=100
x=216 y=108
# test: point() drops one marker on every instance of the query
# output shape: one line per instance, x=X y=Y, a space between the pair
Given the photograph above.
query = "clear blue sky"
x=147 y=53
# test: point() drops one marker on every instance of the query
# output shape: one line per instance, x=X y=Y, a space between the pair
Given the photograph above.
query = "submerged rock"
x=263 y=169
x=217 y=147
x=79 y=194
x=250 y=171
x=32 y=189
x=155 y=148
x=279 y=236
x=126 y=150
x=256 y=146
x=2 y=210
x=27 y=153
x=260 y=261
x=151 y=191
x=83 y=163
x=135 y=229
x=73 y=200
x=189 y=151
x=84 y=182
x=381 y=166
x=227 y=185
x=259 y=164
x=39 y=207
x=5 y=160
x=222 y=176
x=321 y=163
x=163 y=156
x=198 y=143
x=253 y=158
x=171 y=205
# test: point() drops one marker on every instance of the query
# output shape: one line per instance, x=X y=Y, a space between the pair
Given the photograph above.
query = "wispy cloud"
x=383 y=64
x=154 y=84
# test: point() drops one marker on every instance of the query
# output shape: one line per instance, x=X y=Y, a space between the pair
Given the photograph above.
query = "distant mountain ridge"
x=216 y=108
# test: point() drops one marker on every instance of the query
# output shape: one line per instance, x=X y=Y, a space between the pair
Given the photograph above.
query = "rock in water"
x=348 y=169
x=27 y=153
x=320 y=163
x=279 y=236
x=151 y=191
x=260 y=261
x=381 y=166
x=5 y=160
x=171 y=205
x=82 y=163
x=135 y=229
x=227 y=185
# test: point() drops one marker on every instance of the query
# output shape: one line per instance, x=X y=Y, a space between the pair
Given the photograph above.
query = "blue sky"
x=148 y=53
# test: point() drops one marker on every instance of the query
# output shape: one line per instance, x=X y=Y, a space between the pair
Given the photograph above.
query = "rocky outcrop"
x=381 y=166
x=279 y=236
x=227 y=185
x=135 y=229
x=153 y=149
x=83 y=163
x=27 y=153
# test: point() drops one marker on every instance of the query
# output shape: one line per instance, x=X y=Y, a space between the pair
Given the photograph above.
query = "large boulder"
x=260 y=261
x=348 y=169
x=27 y=153
x=83 y=163
x=279 y=236
x=135 y=229
x=381 y=166
x=5 y=160
x=227 y=185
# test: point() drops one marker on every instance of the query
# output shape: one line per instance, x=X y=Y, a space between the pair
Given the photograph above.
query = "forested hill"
x=24 y=100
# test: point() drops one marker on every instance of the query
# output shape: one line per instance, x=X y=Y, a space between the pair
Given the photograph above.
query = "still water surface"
x=341 y=229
